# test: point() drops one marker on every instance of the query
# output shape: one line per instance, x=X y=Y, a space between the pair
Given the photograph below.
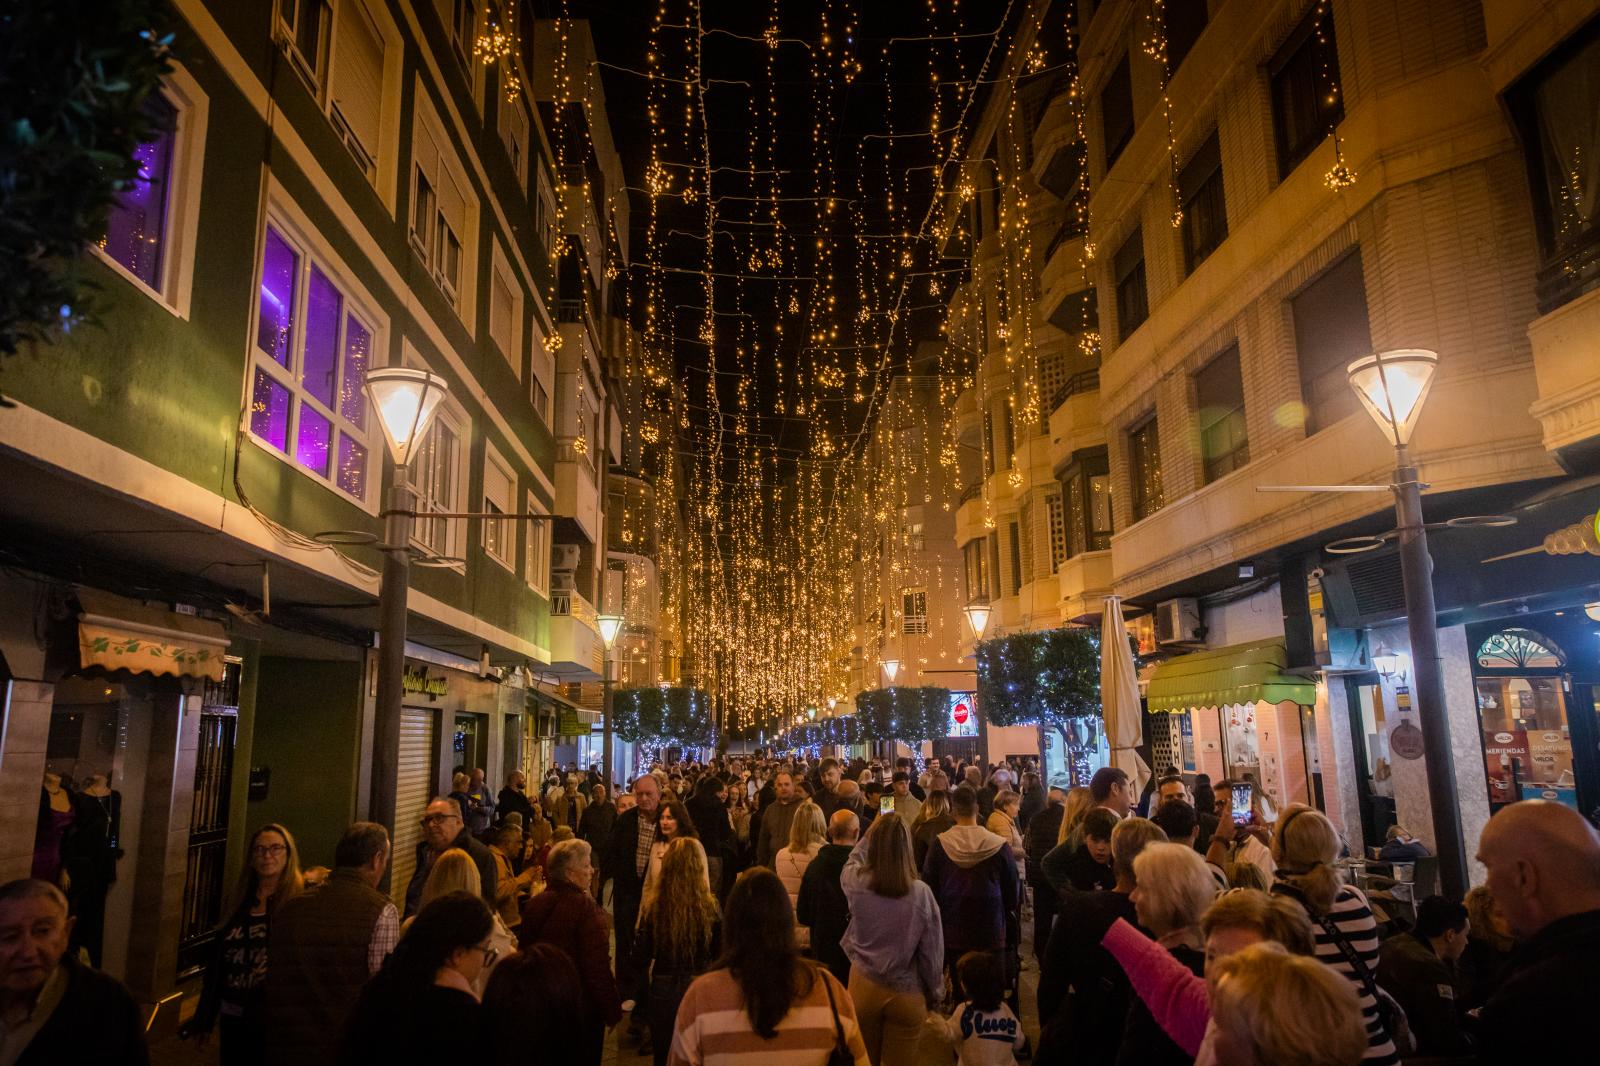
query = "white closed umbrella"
x=1119 y=697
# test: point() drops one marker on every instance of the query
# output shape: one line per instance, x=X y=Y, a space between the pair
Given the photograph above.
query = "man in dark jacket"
x=594 y=829
x=1544 y=871
x=822 y=905
x=565 y=917
x=974 y=879
x=710 y=817
x=513 y=799
x=324 y=944
x=443 y=829
x=625 y=864
x=1037 y=842
x=776 y=818
x=53 y=1009
x=1418 y=969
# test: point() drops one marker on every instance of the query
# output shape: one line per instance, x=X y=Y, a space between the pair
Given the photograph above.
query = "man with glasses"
x=443 y=829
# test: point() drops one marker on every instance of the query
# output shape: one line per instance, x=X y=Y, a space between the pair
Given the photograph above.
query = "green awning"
x=1242 y=673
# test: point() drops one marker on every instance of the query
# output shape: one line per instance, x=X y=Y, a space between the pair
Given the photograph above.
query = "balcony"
x=1075 y=417
x=1566 y=366
x=577 y=495
x=576 y=651
x=1085 y=583
x=1057 y=152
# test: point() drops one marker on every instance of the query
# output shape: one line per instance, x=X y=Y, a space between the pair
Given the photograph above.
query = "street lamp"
x=404 y=401
x=977 y=618
x=610 y=625
x=891 y=667
x=1392 y=386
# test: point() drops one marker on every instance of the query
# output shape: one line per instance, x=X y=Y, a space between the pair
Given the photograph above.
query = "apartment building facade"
x=333 y=186
x=1244 y=199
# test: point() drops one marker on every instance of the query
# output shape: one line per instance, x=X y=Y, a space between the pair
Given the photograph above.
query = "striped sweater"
x=714 y=1030
x=1353 y=918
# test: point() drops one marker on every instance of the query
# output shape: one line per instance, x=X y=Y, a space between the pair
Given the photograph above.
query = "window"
x=355 y=98
x=436 y=480
x=313 y=346
x=136 y=227
x=514 y=135
x=914 y=612
x=505 y=311
x=1306 y=98
x=1144 y=469
x=1330 y=331
x=303 y=32
x=1183 y=22
x=1219 y=395
x=1205 y=211
x=440 y=211
x=544 y=212
x=499 y=490
x=1555 y=107
x=1087 y=490
x=537 y=563
x=463 y=25
x=975 y=556
x=1116 y=111
x=1058 y=531
x=1014 y=542
x=1133 y=301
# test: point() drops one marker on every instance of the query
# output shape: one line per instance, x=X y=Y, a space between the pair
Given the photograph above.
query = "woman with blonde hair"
x=1003 y=824
x=1274 y=1008
x=933 y=819
x=679 y=936
x=1172 y=890
x=455 y=871
x=231 y=994
x=1079 y=803
x=807 y=833
x=1305 y=848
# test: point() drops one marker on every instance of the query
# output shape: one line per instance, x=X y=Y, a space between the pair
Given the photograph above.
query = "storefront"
x=1537 y=681
x=1233 y=714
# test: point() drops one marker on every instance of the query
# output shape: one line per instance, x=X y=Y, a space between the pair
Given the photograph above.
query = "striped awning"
x=1243 y=673
x=122 y=634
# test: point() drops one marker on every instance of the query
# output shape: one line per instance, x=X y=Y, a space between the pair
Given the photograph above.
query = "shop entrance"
x=203 y=886
x=1369 y=738
x=470 y=745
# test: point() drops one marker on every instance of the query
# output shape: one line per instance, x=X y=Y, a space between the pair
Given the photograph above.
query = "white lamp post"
x=978 y=619
x=1392 y=386
x=404 y=401
x=610 y=625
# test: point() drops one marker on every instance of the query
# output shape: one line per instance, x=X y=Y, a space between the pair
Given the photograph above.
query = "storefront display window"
x=1522 y=705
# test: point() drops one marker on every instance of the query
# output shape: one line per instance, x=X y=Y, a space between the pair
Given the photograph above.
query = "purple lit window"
x=311 y=445
x=357 y=353
x=319 y=367
x=352 y=467
x=136 y=228
x=279 y=268
x=269 y=411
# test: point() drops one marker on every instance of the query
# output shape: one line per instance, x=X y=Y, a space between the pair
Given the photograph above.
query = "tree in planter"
x=1049 y=677
x=655 y=715
x=74 y=78
x=907 y=714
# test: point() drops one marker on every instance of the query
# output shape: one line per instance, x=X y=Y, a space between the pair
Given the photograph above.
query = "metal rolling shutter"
x=413 y=789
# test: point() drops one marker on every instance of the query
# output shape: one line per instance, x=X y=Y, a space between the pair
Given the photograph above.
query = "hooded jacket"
x=973 y=874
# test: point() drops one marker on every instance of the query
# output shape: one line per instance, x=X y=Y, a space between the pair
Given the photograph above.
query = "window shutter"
x=358 y=74
x=453 y=204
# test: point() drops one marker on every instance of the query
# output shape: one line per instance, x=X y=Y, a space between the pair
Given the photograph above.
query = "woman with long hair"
x=532 y=999
x=678 y=937
x=895 y=943
x=455 y=871
x=1304 y=849
x=672 y=823
x=933 y=819
x=230 y=999
x=422 y=1006
x=761 y=987
x=807 y=833
x=1079 y=803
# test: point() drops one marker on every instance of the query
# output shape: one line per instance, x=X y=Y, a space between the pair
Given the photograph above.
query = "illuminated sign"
x=963 y=715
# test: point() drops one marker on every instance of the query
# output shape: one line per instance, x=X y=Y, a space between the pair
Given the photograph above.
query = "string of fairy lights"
x=772 y=307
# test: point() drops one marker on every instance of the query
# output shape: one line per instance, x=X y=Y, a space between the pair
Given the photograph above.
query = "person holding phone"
x=1242 y=834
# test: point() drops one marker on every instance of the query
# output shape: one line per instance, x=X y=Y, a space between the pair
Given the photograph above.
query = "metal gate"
x=419 y=746
x=203 y=888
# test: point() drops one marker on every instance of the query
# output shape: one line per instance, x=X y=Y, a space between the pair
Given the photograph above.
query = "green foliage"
x=1045 y=677
x=676 y=714
x=909 y=714
x=74 y=76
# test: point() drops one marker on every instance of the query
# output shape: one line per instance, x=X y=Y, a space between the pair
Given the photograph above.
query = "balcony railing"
x=1575 y=272
x=1082 y=381
x=573 y=605
x=971 y=492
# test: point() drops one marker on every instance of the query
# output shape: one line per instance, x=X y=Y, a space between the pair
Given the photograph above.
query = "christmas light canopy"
x=405 y=400
x=1392 y=386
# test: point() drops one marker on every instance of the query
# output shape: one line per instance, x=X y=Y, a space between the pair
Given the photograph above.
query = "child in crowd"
x=983 y=1029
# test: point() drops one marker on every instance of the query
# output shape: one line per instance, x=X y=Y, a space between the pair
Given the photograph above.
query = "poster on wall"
x=1505 y=752
x=1186 y=743
x=963 y=715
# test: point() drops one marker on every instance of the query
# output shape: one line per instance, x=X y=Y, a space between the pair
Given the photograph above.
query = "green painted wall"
x=307 y=732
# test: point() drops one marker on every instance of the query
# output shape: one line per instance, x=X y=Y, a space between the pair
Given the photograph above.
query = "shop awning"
x=572 y=720
x=1243 y=673
x=121 y=634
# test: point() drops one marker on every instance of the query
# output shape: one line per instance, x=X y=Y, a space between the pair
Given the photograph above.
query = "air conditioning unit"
x=1178 y=622
x=564 y=557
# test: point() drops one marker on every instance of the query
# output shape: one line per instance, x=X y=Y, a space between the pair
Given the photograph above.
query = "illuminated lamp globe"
x=1593 y=611
x=610 y=625
x=891 y=668
x=978 y=619
x=405 y=400
x=1392 y=386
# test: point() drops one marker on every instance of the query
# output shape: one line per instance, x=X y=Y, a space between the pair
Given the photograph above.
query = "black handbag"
x=841 y=1054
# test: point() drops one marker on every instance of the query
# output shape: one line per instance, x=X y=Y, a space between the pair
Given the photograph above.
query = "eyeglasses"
x=489 y=954
x=268 y=849
x=438 y=819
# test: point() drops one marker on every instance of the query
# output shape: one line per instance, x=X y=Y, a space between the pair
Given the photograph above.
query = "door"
x=203 y=888
x=419 y=743
x=1369 y=740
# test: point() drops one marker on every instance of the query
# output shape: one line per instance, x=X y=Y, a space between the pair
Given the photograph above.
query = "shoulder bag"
x=841 y=1055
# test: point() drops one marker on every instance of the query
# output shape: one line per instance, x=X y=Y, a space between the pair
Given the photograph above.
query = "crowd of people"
x=769 y=911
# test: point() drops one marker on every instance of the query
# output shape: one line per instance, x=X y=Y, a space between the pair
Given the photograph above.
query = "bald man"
x=822 y=906
x=1544 y=871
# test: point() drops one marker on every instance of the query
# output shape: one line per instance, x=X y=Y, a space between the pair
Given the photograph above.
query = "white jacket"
x=790 y=867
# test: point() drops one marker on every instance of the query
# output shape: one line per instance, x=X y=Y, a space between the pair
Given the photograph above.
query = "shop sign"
x=416 y=682
x=963 y=716
x=1504 y=751
x=568 y=724
x=1406 y=741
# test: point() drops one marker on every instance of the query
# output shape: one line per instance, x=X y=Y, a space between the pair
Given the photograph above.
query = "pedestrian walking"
x=673 y=823
x=822 y=907
x=763 y=1003
x=709 y=812
x=776 y=817
x=626 y=864
x=807 y=833
x=566 y=917
x=443 y=829
x=679 y=936
x=982 y=1028
x=974 y=879
x=230 y=996
x=532 y=999
x=1037 y=842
